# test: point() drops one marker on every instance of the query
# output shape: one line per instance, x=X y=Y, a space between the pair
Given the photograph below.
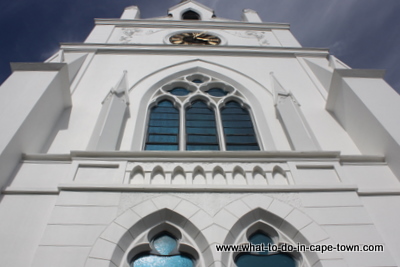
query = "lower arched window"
x=164 y=253
x=261 y=256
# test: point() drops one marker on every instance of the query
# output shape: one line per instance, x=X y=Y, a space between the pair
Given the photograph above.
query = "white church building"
x=157 y=141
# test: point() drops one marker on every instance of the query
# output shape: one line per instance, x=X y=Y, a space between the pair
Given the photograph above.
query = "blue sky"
x=362 y=33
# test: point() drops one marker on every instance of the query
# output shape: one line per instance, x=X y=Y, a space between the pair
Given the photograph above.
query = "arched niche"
x=218 y=176
x=239 y=176
x=178 y=176
x=137 y=175
x=259 y=177
x=157 y=176
x=199 y=176
x=279 y=176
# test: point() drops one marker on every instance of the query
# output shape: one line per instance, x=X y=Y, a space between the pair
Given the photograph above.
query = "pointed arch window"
x=163 y=129
x=201 y=131
x=164 y=253
x=208 y=122
x=238 y=128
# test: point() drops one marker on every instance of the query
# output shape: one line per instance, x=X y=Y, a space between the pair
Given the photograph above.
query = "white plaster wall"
x=74 y=225
x=381 y=208
x=148 y=71
x=41 y=175
x=24 y=220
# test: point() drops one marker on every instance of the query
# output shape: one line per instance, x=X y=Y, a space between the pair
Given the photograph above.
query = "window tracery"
x=264 y=242
x=264 y=258
x=198 y=112
x=164 y=252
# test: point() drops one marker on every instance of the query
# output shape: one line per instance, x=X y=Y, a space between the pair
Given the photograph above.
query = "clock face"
x=195 y=38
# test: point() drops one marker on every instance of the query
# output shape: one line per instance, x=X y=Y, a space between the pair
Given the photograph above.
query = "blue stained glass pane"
x=165 y=103
x=164 y=116
x=241 y=139
x=218 y=92
x=236 y=117
x=165 y=110
x=163 y=127
x=179 y=91
x=199 y=104
x=197 y=81
x=233 y=104
x=159 y=147
x=210 y=124
x=164 y=123
x=164 y=244
x=202 y=117
x=262 y=258
x=201 y=128
x=200 y=111
x=239 y=131
x=238 y=128
x=210 y=131
x=162 y=261
x=260 y=238
x=207 y=139
x=236 y=124
x=163 y=130
x=281 y=260
x=161 y=138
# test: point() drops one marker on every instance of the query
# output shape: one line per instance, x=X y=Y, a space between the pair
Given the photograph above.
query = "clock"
x=194 y=38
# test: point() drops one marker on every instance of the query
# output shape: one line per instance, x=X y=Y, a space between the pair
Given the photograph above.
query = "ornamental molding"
x=193 y=49
x=171 y=24
x=128 y=33
x=261 y=36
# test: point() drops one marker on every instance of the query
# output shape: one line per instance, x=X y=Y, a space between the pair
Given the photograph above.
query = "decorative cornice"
x=187 y=24
x=178 y=49
x=243 y=156
x=206 y=188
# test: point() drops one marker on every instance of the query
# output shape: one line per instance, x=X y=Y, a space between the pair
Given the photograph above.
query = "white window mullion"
x=220 y=130
x=182 y=130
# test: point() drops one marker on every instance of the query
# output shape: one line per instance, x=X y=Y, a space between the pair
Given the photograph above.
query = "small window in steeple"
x=191 y=15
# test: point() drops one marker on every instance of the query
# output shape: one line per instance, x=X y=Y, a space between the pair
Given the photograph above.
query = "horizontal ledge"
x=200 y=156
x=36 y=66
x=10 y=190
x=168 y=24
x=166 y=156
x=379 y=192
x=179 y=49
x=360 y=73
x=205 y=188
x=360 y=159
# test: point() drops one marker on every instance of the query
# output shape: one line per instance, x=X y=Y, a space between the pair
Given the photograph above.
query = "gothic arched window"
x=163 y=129
x=201 y=113
x=238 y=128
x=263 y=258
x=164 y=252
x=201 y=131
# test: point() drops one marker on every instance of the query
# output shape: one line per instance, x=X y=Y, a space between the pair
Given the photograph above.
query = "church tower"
x=162 y=140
